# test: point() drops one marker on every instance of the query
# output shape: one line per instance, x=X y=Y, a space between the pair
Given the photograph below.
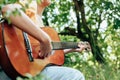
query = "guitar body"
x=14 y=57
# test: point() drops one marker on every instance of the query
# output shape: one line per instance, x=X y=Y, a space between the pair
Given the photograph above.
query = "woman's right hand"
x=45 y=48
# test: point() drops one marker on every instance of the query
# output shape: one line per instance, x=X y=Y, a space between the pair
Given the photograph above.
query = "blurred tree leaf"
x=116 y=23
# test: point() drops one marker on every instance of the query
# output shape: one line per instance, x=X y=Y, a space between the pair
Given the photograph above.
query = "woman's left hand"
x=83 y=46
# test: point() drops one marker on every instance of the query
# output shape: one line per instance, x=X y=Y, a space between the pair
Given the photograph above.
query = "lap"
x=61 y=73
x=54 y=73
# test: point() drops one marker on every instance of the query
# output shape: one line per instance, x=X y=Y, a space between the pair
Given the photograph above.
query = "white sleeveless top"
x=31 y=11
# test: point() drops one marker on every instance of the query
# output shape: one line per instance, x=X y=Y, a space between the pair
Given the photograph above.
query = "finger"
x=50 y=53
x=41 y=57
x=80 y=43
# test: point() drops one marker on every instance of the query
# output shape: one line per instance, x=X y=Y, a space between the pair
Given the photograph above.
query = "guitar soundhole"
x=35 y=50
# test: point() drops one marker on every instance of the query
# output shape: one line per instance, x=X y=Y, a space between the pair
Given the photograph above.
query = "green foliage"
x=116 y=23
x=60 y=15
x=94 y=70
x=4 y=2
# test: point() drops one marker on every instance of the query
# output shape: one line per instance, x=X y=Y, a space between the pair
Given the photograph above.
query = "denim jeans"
x=61 y=73
x=54 y=73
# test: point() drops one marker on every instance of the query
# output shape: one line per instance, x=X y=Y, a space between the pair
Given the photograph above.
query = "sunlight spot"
x=103 y=26
x=109 y=49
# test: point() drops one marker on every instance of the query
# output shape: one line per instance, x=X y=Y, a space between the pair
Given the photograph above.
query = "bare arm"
x=66 y=51
x=81 y=46
x=26 y=24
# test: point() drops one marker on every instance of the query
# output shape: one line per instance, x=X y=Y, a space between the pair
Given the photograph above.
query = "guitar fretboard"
x=64 y=45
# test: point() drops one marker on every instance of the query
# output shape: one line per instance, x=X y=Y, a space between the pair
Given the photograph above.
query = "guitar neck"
x=64 y=45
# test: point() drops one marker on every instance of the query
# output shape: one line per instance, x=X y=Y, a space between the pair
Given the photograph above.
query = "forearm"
x=22 y=20
x=81 y=46
x=66 y=51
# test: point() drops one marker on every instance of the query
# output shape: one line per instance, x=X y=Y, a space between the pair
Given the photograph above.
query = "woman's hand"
x=45 y=48
x=81 y=46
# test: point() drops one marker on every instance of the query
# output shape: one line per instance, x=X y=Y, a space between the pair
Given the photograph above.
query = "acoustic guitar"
x=19 y=52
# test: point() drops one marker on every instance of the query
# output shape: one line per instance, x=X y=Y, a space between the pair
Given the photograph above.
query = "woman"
x=32 y=17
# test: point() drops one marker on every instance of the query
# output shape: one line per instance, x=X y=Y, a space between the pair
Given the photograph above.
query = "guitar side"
x=13 y=56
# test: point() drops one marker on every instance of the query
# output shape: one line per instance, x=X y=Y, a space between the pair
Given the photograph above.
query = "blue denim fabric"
x=61 y=73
